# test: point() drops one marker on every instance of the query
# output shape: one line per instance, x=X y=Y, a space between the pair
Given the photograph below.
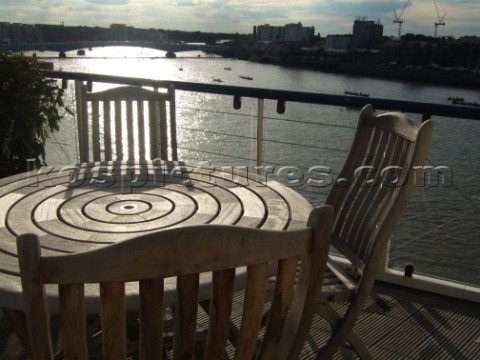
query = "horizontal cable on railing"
x=268 y=117
x=265 y=140
x=306 y=146
x=311 y=123
x=214 y=153
x=215 y=111
x=211 y=132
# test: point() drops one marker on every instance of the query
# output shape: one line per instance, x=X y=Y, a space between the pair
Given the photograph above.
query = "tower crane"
x=398 y=18
x=440 y=18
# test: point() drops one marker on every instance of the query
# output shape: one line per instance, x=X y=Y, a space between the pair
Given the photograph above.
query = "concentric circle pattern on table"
x=107 y=204
x=86 y=206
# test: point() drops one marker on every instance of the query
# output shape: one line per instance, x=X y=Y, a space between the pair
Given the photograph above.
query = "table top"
x=84 y=206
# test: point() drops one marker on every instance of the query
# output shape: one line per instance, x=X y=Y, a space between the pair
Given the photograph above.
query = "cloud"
x=109 y=2
x=328 y=17
x=186 y=2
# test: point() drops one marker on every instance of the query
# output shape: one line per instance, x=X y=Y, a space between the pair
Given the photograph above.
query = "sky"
x=231 y=16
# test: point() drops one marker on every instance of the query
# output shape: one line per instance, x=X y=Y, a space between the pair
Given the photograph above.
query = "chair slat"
x=282 y=297
x=220 y=312
x=95 y=131
x=153 y=113
x=163 y=130
x=387 y=195
x=113 y=320
x=255 y=294
x=353 y=183
x=151 y=319
x=107 y=132
x=359 y=188
x=378 y=199
x=73 y=321
x=130 y=134
x=118 y=130
x=185 y=316
x=360 y=209
x=142 y=149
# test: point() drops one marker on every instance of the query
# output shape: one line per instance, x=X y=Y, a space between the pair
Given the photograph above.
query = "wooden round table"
x=81 y=207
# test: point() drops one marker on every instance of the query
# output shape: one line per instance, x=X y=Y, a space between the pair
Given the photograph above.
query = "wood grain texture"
x=88 y=206
x=184 y=253
x=74 y=329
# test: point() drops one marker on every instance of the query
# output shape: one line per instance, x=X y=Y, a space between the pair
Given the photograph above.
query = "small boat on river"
x=354 y=93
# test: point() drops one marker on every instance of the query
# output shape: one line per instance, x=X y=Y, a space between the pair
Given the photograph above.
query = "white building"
x=288 y=32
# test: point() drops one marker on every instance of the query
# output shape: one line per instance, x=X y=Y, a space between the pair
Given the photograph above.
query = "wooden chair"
x=369 y=197
x=112 y=124
x=184 y=253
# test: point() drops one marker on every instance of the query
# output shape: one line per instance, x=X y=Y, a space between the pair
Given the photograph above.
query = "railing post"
x=173 y=123
x=261 y=103
x=385 y=257
x=82 y=126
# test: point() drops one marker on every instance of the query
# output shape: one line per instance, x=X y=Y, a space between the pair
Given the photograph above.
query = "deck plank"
x=397 y=323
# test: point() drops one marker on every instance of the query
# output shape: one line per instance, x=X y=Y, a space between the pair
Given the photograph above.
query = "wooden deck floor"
x=396 y=324
x=401 y=323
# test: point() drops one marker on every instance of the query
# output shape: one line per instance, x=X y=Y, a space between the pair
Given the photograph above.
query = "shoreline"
x=453 y=78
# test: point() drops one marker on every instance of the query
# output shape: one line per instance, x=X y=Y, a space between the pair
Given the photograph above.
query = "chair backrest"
x=183 y=252
x=115 y=124
x=376 y=183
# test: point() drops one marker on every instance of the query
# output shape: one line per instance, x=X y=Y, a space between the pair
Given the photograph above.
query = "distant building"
x=296 y=32
x=121 y=32
x=288 y=32
x=19 y=33
x=366 y=33
x=338 y=41
x=268 y=33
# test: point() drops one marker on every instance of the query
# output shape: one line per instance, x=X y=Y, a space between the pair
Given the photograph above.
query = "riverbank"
x=429 y=76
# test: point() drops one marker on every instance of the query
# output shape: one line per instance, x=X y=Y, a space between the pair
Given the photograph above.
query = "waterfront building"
x=19 y=33
x=366 y=33
x=288 y=32
x=4 y=33
x=267 y=32
x=122 y=32
x=296 y=32
x=338 y=41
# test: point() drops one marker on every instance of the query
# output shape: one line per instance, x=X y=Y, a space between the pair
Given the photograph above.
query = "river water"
x=439 y=233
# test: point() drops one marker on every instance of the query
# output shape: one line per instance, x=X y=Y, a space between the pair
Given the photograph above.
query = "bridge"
x=76 y=45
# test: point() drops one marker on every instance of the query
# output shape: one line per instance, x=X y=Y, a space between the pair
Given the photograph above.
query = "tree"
x=30 y=109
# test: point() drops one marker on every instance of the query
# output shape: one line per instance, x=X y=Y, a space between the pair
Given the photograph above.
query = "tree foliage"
x=30 y=109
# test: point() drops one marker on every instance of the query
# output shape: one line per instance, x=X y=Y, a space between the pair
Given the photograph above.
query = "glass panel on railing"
x=439 y=232
x=305 y=148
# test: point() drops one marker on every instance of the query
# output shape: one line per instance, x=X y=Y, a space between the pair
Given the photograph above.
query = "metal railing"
x=455 y=111
x=255 y=98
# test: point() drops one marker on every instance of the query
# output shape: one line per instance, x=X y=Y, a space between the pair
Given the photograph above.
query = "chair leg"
x=331 y=348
